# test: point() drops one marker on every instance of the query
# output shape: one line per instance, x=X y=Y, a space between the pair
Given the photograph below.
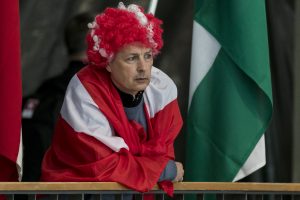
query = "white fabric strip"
x=205 y=49
x=20 y=158
x=160 y=92
x=81 y=112
x=256 y=160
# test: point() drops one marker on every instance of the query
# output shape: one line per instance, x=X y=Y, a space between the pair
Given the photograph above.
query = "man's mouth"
x=141 y=79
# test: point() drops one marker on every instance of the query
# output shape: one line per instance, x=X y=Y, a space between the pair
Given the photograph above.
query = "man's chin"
x=141 y=87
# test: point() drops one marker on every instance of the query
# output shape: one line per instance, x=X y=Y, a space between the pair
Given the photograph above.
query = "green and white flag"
x=230 y=102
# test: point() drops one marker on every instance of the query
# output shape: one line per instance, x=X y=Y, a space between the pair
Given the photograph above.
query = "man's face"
x=131 y=68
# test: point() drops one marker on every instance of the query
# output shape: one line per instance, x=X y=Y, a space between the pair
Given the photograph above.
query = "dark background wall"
x=44 y=56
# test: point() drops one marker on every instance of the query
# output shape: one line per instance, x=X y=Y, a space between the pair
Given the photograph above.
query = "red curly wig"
x=116 y=27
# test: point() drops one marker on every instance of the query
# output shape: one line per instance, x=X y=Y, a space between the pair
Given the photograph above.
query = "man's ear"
x=108 y=68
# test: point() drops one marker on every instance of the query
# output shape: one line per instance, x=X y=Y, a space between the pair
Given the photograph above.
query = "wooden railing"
x=33 y=188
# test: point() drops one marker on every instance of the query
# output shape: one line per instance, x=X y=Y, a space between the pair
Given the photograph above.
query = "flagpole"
x=152 y=6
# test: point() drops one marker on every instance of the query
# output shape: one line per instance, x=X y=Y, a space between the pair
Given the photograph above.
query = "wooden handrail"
x=181 y=186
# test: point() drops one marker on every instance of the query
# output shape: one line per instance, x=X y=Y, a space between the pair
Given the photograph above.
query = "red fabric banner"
x=10 y=89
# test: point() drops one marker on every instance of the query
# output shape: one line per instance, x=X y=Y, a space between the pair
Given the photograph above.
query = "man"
x=120 y=115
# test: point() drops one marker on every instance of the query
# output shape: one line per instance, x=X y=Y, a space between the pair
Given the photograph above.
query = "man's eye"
x=148 y=56
x=132 y=58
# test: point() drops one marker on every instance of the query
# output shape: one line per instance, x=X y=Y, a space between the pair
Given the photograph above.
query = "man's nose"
x=141 y=64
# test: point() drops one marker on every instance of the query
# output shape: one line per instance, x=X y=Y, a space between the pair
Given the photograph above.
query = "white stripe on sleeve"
x=81 y=112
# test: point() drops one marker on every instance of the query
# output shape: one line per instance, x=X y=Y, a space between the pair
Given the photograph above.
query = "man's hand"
x=180 y=172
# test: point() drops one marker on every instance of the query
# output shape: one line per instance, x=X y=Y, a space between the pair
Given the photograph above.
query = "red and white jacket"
x=94 y=140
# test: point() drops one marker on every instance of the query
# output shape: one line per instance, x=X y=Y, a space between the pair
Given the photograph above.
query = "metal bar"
x=10 y=197
x=178 y=196
x=152 y=6
x=153 y=192
x=200 y=196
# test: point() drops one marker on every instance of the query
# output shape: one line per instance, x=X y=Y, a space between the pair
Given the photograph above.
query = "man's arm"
x=172 y=172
